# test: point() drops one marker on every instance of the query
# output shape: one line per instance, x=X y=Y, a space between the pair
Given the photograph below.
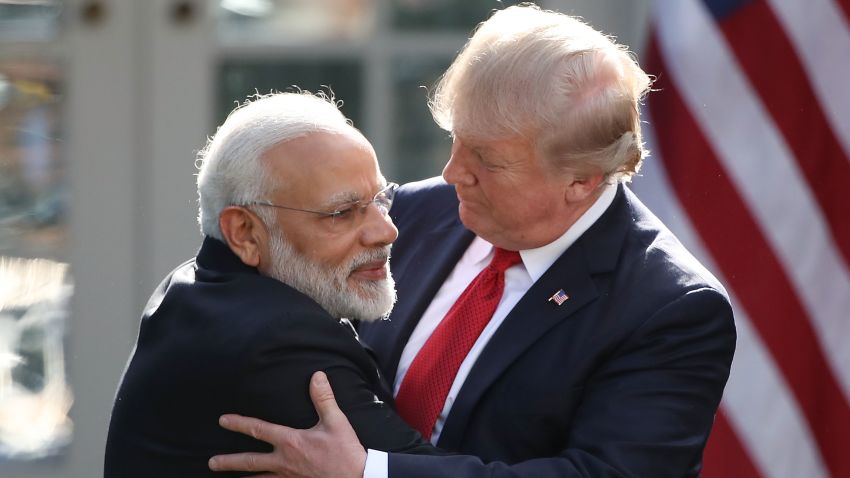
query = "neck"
x=570 y=214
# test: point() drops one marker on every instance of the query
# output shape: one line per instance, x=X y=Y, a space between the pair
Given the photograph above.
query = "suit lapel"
x=595 y=252
x=418 y=279
x=524 y=325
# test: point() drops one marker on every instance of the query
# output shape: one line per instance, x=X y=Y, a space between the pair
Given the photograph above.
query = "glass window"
x=443 y=14
x=34 y=282
x=238 y=79
x=400 y=47
x=295 y=21
x=421 y=147
x=32 y=20
x=35 y=286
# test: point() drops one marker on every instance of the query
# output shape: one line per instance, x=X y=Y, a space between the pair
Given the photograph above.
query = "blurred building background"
x=104 y=103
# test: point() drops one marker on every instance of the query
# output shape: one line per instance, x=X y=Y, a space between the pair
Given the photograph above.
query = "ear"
x=244 y=233
x=580 y=188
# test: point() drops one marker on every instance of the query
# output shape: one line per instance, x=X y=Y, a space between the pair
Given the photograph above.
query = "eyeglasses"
x=344 y=213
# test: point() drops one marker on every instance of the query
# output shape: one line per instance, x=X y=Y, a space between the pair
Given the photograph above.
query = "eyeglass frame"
x=388 y=191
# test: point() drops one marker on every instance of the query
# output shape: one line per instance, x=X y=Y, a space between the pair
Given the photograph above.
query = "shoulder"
x=433 y=185
x=233 y=309
x=640 y=268
x=272 y=312
x=662 y=254
x=424 y=192
x=662 y=285
x=427 y=202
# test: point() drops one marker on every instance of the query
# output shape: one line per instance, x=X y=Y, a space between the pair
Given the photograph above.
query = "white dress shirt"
x=518 y=279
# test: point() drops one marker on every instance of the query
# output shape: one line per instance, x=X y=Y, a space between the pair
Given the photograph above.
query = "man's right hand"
x=328 y=450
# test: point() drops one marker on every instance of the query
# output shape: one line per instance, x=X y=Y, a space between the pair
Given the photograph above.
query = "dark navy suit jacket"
x=217 y=337
x=623 y=379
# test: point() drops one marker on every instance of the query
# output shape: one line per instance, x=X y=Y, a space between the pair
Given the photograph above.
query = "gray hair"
x=554 y=80
x=230 y=168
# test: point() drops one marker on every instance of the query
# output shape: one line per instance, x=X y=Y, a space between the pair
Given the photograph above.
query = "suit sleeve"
x=646 y=411
x=276 y=378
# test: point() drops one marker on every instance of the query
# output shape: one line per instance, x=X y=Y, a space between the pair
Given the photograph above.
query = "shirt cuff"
x=377 y=464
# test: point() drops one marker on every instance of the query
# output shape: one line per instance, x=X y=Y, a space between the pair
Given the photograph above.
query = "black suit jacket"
x=216 y=337
x=623 y=379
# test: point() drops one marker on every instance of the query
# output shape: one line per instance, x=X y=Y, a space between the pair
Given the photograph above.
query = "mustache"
x=381 y=254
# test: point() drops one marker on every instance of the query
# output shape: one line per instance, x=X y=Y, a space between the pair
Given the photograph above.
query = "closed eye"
x=489 y=165
x=343 y=212
x=484 y=160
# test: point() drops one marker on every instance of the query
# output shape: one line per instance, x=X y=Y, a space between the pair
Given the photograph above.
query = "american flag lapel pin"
x=560 y=297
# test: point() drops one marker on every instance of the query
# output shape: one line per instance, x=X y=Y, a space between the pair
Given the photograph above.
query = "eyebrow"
x=340 y=198
x=480 y=148
x=483 y=148
x=347 y=197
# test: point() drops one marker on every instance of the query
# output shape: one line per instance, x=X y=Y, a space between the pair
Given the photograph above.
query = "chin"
x=471 y=221
x=372 y=300
x=466 y=217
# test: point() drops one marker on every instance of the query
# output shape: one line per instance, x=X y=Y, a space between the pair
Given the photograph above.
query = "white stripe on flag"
x=762 y=168
x=764 y=413
x=821 y=37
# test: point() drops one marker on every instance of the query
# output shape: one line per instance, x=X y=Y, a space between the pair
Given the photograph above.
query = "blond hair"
x=554 y=80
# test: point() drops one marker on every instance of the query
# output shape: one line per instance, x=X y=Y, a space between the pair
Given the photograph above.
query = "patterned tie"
x=426 y=384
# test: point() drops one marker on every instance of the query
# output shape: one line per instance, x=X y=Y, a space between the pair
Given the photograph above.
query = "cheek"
x=333 y=251
x=298 y=242
x=488 y=210
x=501 y=198
x=514 y=210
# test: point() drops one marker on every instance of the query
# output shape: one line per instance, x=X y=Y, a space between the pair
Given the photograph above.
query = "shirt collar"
x=537 y=261
x=479 y=250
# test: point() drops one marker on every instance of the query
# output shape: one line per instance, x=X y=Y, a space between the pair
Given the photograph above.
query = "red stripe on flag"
x=845 y=5
x=733 y=238
x=725 y=456
x=767 y=57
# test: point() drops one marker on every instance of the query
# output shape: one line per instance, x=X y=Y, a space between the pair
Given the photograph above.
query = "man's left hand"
x=329 y=449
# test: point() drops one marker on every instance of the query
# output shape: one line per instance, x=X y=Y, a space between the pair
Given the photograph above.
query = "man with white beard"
x=294 y=210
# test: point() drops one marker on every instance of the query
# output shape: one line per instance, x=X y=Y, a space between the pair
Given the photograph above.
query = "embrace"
x=546 y=324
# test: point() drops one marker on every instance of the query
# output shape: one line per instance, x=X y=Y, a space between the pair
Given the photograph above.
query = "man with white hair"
x=605 y=347
x=294 y=210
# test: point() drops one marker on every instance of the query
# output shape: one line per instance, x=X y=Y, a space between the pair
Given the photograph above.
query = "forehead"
x=323 y=168
x=510 y=147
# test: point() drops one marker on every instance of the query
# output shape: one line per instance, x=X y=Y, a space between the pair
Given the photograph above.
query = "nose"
x=378 y=228
x=456 y=170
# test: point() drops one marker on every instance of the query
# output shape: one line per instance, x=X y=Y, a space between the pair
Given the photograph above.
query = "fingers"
x=259 y=429
x=242 y=462
x=323 y=398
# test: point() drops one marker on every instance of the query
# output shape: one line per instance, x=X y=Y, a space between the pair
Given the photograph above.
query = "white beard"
x=329 y=287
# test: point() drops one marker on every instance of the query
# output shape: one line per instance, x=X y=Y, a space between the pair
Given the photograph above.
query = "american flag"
x=560 y=297
x=750 y=167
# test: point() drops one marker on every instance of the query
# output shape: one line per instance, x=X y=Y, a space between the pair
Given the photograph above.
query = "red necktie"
x=426 y=384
